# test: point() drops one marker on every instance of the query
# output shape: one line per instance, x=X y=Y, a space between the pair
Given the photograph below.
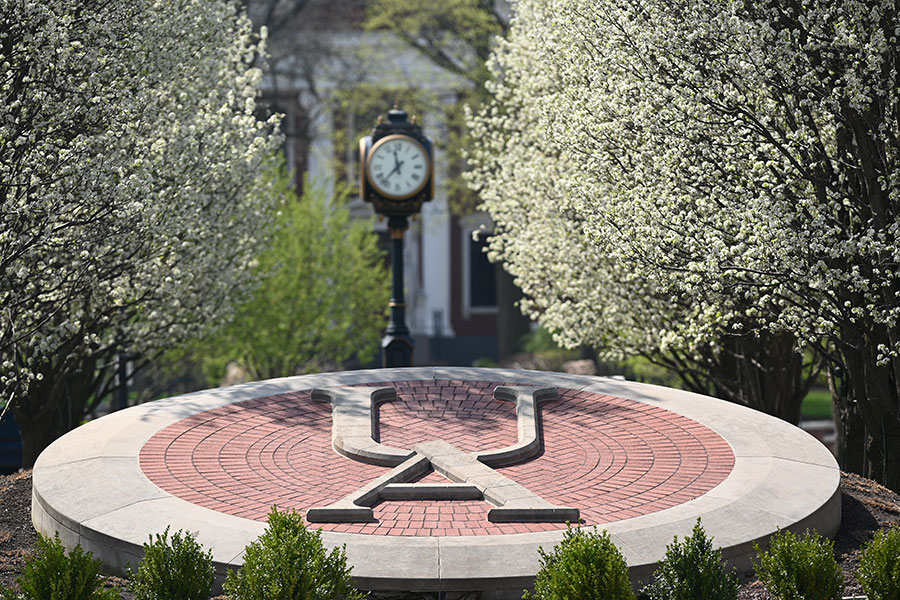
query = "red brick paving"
x=610 y=457
x=463 y=414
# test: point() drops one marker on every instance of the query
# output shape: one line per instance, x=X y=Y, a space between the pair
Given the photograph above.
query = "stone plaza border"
x=88 y=487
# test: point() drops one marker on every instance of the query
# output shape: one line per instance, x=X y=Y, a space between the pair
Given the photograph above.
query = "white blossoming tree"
x=715 y=168
x=133 y=190
x=586 y=297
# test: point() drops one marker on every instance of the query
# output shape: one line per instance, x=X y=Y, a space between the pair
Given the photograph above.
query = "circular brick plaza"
x=640 y=461
x=613 y=458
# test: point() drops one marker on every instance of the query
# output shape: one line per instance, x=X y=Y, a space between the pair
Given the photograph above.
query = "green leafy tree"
x=584 y=565
x=323 y=299
x=456 y=35
x=289 y=562
x=800 y=567
x=692 y=569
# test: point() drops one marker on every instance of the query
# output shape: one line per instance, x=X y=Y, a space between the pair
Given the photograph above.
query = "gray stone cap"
x=431 y=491
x=512 y=502
x=354 y=424
x=88 y=486
x=527 y=399
x=356 y=507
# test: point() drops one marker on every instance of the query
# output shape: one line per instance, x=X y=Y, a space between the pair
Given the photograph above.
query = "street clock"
x=396 y=174
x=396 y=167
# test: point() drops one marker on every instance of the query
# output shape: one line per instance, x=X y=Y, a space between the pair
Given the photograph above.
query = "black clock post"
x=396 y=176
x=397 y=345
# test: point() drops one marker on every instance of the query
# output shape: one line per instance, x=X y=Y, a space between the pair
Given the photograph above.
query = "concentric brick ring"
x=640 y=461
x=610 y=457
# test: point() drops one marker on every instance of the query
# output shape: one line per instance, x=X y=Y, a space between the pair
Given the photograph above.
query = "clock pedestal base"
x=397 y=351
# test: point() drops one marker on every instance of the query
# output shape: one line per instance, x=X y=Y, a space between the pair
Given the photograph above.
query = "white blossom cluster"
x=133 y=187
x=661 y=171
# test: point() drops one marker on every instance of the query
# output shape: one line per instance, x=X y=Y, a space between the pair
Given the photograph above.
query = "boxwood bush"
x=800 y=567
x=585 y=565
x=50 y=574
x=289 y=562
x=175 y=568
x=691 y=570
x=879 y=566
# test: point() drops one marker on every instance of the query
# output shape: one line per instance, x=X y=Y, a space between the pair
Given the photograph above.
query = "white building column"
x=435 y=225
x=321 y=149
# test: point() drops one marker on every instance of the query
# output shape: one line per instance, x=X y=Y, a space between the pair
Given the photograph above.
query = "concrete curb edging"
x=357 y=507
x=89 y=487
x=354 y=427
x=527 y=400
x=512 y=502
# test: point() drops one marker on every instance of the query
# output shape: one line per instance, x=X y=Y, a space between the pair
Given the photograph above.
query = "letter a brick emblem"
x=354 y=434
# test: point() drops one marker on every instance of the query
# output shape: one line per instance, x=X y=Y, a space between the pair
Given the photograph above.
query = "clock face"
x=398 y=166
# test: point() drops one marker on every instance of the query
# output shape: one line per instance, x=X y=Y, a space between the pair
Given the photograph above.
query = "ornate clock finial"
x=395 y=115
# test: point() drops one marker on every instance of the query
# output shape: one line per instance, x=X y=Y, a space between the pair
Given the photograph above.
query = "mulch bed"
x=866 y=507
x=17 y=536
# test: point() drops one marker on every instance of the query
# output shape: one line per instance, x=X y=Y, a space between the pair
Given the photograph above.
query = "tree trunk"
x=55 y=405
x=875 y=389
x=771 y=375
x=763 y=371
x=850 y=431
x=883 y=429
x=37 y=435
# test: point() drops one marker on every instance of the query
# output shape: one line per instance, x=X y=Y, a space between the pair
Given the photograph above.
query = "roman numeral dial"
x=398 y=167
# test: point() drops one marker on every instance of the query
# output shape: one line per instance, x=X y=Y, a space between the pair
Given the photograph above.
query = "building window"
x=481 y=276
x=482 y=280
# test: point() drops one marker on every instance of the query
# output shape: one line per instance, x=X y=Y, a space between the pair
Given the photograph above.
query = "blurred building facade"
x=330 y=77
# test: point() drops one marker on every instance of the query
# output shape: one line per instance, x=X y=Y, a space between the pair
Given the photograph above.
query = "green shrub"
x=585 y=565
x=879 y=566
x=289 y=562
x=800 y=567
x=51 y=575
x=173 y=568
x=691 y=570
